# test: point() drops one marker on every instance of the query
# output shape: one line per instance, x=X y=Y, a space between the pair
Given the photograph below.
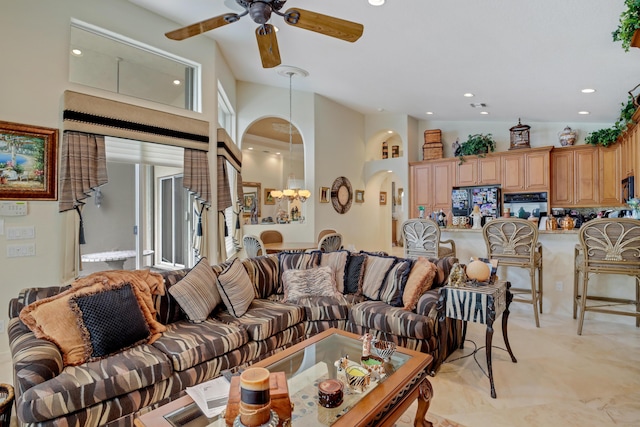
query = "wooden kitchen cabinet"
x=526 y=170
x=431 y=185
x=586 y=176
x=610 y=172
x=512 y=173
x=478 y=171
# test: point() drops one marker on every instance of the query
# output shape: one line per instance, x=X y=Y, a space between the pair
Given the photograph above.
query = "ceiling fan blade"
x=324 y=24
x=202 y=26
x=268 y=45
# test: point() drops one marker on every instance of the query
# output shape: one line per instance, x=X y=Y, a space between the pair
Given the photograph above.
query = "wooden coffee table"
x=312 y=360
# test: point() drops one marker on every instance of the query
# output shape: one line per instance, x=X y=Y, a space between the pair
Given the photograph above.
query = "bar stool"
x=422 y=239
x=253 y=246
x=607 y=246
x=514 y=243
x=271 y=236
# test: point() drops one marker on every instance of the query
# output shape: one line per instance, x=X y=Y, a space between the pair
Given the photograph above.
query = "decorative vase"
x=567 y=136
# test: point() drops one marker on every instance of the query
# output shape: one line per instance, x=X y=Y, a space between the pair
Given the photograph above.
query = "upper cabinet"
x=526 y=170
x=478 y=171
x=431 y=183
x=586 y=176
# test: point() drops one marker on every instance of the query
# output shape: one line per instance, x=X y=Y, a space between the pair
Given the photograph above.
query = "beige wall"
x=34 y=40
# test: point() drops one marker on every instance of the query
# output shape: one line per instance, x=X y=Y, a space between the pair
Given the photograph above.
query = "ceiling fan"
x=260 y=11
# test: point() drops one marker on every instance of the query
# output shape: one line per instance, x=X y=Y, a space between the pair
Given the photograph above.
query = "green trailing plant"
x=629 y=23
x=478 y=144
x=609 y=136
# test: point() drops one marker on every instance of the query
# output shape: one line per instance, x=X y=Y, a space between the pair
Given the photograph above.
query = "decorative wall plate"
x=341 y=195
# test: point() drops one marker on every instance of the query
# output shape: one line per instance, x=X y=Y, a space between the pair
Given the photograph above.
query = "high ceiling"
x=522 y=58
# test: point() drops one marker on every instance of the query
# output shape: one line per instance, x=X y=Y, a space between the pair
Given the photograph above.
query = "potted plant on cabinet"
x=609 y=136
x=478 y=144
x=627 y=31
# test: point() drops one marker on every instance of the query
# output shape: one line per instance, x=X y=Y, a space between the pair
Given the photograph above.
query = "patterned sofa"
x=112 y=389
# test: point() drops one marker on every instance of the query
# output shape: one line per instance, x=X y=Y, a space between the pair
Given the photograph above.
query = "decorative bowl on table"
x=330 y=393
x=358 y=378
x=384 y=349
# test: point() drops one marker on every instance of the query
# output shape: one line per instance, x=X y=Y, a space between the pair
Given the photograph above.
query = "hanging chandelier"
x=291 y=192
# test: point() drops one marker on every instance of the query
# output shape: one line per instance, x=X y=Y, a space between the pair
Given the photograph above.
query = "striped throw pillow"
x=394 y=284
x=375 y=272
x=196 y=293
x=236 y=289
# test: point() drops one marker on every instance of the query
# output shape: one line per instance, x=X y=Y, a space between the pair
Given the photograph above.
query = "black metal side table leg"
x=488 y=340
x=505 y=318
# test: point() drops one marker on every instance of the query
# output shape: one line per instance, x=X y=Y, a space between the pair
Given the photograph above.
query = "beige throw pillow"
x=197 y=292
x=419 y=281
x=236 y=289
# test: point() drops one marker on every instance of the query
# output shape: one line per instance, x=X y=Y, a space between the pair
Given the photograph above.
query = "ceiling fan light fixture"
x=376 y=2
x=260 y=12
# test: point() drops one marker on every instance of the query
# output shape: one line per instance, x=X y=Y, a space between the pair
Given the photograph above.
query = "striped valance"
x=229 y=150
x=92 y=114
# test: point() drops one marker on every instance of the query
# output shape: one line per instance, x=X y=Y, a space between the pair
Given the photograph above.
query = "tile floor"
x=561 y=379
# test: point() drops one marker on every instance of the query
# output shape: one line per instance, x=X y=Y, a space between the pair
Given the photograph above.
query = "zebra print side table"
x=479 y=304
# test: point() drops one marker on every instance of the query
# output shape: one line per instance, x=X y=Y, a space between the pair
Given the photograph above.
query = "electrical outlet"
x=559 y=286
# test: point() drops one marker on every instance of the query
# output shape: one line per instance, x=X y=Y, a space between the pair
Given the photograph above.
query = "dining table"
x=276 y=247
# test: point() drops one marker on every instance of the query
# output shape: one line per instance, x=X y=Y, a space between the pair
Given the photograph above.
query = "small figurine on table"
x=366 y=344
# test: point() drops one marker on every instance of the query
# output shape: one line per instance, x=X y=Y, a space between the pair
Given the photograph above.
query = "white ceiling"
x=523 y=58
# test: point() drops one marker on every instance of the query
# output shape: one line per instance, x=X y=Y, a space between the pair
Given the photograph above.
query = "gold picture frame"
x=251 y=191
x=359 y=196
x=268 y=198
x=383 y=197
x=28 y=162
x=325 y=193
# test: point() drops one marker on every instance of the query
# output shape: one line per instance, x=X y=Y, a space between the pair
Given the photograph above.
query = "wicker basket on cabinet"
x=432 y=148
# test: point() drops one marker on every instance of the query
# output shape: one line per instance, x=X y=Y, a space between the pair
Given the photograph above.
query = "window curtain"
x=83 y=168
x=196 y=180
x=228 y=152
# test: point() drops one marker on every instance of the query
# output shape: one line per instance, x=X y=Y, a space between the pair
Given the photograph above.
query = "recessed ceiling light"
x=389 y=131
x=376 y=2
x=468 y=95
x=390 y=171
x=429 y=113
x=250 y=148
x=584 y=113
x=76 y=52
x=588 y=90
x=484 y=112
x=177 y=82
x=278 y=153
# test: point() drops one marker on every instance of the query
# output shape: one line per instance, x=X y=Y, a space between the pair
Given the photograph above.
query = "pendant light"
x=291 y=192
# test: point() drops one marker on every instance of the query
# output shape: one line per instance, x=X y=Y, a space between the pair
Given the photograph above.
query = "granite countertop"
x=479 y=230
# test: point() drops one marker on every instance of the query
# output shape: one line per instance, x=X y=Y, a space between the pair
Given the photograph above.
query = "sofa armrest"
x=34 y=360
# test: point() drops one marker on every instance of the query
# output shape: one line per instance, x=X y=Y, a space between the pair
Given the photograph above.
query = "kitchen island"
x=558 y=261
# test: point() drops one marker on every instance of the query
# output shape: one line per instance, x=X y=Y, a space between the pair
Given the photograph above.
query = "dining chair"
x=330 y=242
x=607 y=246
x=253 y=246
x=514 y=243
x=422 y=239
x=271 y=236
x=324 y=232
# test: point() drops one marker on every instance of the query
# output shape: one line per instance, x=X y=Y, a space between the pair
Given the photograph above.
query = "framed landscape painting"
x=28 y=157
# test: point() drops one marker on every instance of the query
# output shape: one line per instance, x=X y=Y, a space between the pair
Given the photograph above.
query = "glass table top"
x=305 y=368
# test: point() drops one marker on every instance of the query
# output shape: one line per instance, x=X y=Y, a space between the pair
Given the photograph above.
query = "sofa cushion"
x=310 y=282
x=354 y=273
x=187 y=344
x=444 y=265
x=337 y=260
x=375 y=273
x=394 y=320
x=420 y=280
x=265 y=318
x=79 y=387
x=54 y=320
x=394 y=284
x=110 y=320
x=325 y=307
x=197 y=293
x=236 y=289
x=427 y=303
x=264 y=273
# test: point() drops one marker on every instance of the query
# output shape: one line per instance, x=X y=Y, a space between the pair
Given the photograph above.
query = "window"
x=109 y=61
x=175 y=222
